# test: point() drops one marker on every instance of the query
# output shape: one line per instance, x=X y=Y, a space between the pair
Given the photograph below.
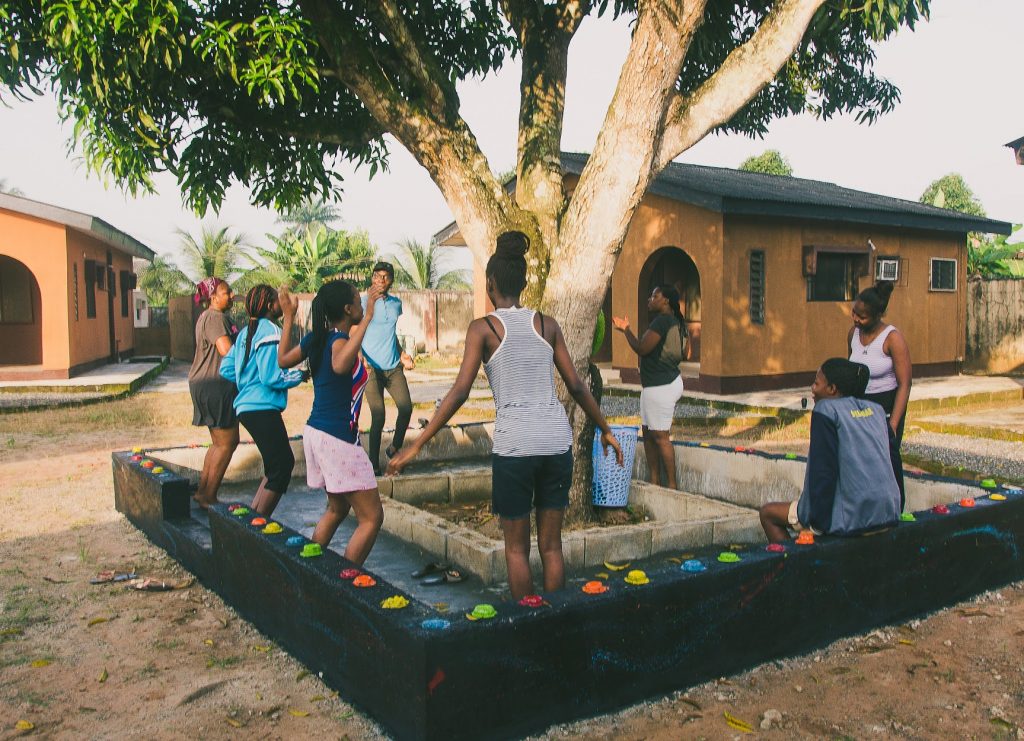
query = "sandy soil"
x=84 y=661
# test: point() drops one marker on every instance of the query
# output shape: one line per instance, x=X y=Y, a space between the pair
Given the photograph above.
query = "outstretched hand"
x=608 y=441
x=620 y=323
x=289 y=301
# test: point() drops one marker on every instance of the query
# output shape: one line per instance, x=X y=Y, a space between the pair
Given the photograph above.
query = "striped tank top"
x=883 y=376
x=529 y=418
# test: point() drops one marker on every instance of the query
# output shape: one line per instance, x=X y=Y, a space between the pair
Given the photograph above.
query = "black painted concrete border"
x=582 y=655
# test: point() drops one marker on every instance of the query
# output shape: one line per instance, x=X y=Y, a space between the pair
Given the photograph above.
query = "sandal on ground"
x=449 y=576
x=428 y=569
x=106 y=577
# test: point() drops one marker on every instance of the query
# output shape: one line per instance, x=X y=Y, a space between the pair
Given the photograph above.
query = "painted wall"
x=90 y=337
x=40 y=246
x=995 y=326
x=798 y=334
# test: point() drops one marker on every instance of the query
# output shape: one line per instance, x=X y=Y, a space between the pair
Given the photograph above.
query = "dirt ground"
x=84 y=661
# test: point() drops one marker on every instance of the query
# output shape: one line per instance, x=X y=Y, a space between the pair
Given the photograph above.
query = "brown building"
x=767 y=267
x=66 y=283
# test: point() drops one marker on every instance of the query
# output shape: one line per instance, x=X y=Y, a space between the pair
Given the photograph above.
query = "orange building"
x=767 y=268
x=66 y=283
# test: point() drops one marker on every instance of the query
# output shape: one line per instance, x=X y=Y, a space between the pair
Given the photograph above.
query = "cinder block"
x=399 y=519
x=430 y=533
x=471 y=485
x=680 y=536
x=417 y=489
x=744 y=528
x=616 y=543
x=573 y=550
x=386 y=486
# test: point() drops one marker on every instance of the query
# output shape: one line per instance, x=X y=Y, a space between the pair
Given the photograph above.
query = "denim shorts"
x=524 y=483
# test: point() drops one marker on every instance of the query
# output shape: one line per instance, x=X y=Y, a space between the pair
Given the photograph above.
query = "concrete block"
x=573 y=550
x=420 y=488
x=386 y=486
x=738 y=529
x=399 y=519
x=617 y=543
x=430 y=533
x=680 y=536
x=475 y=553
x=471 y=485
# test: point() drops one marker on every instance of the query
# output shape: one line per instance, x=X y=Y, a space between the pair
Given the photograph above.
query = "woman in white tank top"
x=532 y=455
x=882 y=348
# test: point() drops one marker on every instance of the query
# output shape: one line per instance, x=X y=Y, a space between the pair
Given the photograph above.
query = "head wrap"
x=205 y=289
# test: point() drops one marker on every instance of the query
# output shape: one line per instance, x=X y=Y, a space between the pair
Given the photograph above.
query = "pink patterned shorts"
x=335 y=465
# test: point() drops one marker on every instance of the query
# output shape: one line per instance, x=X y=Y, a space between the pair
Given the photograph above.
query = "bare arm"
x=453 y=400
x=289 y=354
x=345 y=352
x=581 y=394
x=896 y=347
x=224 y=344
x=642 y=346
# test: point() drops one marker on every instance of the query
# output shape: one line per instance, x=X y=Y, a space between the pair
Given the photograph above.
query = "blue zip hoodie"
x=262 y=385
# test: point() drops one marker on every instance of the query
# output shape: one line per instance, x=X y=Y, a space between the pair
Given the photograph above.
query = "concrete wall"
x=436 y=319
x=41 y=247
x=152 y=340
x=181 y=318
x=995 y=326
x=90 y=338
x=798 y=334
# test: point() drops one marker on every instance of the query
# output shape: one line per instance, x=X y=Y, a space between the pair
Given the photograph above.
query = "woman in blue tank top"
x=532 y=455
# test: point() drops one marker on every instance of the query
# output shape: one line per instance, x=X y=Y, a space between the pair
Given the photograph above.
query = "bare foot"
x=205 y=505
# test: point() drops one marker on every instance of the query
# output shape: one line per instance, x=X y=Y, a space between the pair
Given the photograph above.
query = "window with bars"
x=757 y=286
x=835 y=278
x=943 y=274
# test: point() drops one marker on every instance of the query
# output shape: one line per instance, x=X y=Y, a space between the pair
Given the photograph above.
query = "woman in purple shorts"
x=532 y=455
x=335 y=461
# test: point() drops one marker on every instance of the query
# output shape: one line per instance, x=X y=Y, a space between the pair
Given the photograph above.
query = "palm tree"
x=309 y=216
x=217 y=254
x=161 y=280
x=306 y=262
x=420 y=267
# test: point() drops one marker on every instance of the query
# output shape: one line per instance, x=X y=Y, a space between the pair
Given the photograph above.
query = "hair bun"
x=884 y=288
x=512 y=244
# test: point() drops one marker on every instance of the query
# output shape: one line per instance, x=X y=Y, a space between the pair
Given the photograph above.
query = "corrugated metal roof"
x=98 y=228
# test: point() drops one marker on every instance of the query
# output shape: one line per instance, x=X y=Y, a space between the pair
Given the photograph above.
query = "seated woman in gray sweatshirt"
x=854 y=478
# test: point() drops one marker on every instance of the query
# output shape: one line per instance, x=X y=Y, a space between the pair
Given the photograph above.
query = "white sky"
x=959 y=106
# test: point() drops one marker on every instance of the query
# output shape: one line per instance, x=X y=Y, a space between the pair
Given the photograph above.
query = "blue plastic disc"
x=295 y=540
x=436 y=624
x=693 y=566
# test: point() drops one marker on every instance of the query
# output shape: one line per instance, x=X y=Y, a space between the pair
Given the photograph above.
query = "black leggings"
x=271 y=438
x=394 y=381
x=886 y=400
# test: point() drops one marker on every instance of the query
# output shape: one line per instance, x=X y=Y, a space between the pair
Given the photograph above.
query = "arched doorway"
x=21 y=315
x=672 y=266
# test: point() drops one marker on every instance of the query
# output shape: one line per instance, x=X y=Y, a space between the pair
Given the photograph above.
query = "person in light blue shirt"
x=386 y=363
x=251 y=365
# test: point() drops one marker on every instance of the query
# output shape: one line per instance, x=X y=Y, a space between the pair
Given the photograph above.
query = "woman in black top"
x=661 y=350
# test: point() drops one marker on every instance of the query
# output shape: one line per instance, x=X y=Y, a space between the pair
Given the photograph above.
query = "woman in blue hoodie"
x=263 y=394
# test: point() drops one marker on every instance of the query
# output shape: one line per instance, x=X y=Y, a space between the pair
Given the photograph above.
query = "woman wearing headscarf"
x=213 y=396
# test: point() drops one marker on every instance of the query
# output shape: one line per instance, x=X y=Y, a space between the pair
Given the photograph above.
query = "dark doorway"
x=672 y=266
x=110 y=307
x=21 y=314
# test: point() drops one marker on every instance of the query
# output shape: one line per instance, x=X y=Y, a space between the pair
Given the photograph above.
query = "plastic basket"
x=611 y=483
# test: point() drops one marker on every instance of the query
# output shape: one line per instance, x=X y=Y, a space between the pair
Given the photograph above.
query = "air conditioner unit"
x=887 y=268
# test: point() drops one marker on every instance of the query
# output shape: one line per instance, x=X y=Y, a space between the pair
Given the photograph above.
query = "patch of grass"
x=29 y=697
x=167 y=645
x=23 y=658
x=23 y=608
x=148 y=671
x=225 y=662
x=84 y=555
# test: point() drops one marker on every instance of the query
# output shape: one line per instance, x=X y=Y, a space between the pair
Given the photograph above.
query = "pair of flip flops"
x=438 y=573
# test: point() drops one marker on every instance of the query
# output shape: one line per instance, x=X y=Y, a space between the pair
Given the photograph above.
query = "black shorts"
x=271 y=438
x=521 y=484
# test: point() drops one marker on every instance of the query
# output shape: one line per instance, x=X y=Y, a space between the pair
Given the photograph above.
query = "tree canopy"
x=769 y=162
x=951 y=191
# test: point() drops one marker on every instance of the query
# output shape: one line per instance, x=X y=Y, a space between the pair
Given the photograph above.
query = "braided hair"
x=849 y=378
x=257 y=304
x=327 y=308
x=507 y=266
x=671 y=294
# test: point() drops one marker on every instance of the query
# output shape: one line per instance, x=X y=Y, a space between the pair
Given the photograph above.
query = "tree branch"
x=744 y=73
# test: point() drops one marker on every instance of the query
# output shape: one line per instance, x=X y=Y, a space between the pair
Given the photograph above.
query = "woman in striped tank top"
x=882 y=348
x=532 y=454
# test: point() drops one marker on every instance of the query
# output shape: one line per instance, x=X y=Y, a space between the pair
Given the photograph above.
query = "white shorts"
x=335 y=465
x=658 y=405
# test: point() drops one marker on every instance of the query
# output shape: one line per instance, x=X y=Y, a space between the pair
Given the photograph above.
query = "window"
x=835 y=277
x=757 y=286
x=74 y=279
x=126 y=280
x=100 y=276
x=887 y=268
x=90 y=289
x=943 y=274
x=16 y=283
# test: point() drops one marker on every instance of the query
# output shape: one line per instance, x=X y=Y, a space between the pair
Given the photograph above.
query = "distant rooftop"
x=730 y=191
x=1017 y=145
x=98 y=228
